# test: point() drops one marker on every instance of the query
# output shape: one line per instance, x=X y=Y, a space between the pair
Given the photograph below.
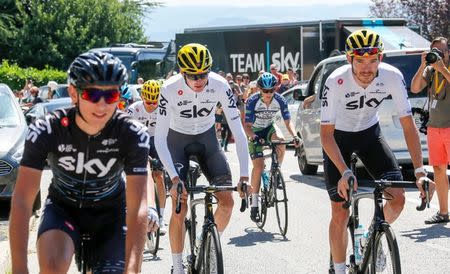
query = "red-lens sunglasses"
x=93 y=95
x=363 y=51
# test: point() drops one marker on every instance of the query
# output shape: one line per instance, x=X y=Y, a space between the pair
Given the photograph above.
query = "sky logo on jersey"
x=194 y=112
x=324 y=96
x=231 y=101
x=373 y=103
x=141 y=131
x=34 y=130
x=93 y=166
x=162 y=105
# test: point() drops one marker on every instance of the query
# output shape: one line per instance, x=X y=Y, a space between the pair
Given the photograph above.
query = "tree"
x=54 y=32
x=431 y=16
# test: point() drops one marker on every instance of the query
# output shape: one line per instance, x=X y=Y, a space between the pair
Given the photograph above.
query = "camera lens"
x=431 y=57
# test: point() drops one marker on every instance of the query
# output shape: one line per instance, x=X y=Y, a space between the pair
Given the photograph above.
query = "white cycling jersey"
x=352 y=108
x=188 y=112
x=138 y=112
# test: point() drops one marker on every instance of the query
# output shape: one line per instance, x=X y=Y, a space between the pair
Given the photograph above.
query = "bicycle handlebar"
x=211 y=189
x=383 y=184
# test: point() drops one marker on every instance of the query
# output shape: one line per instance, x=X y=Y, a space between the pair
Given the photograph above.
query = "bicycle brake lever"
x=425 y=202
x=244 y=203
x=348 y=203
x=179 y=193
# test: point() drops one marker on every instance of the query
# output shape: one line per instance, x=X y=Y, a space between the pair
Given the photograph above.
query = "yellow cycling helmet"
x=150 y=91
x=194 y=59
x=362 y=42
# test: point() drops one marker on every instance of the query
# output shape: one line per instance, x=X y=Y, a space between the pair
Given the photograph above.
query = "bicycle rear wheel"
x=152 y=241
x=213 y=260
x=386 y=258
x=281 y=200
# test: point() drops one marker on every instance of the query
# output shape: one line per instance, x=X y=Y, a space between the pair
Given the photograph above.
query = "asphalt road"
x=247 y=249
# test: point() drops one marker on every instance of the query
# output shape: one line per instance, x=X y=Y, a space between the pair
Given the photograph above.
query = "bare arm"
x=290 y=127
x=25 y=191
x=418 y=83
x=331 y=148
x=248 y=130
x=412 y=140
x=136 y=195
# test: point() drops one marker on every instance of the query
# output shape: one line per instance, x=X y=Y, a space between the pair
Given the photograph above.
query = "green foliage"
x=54 y=32
x=15 y=76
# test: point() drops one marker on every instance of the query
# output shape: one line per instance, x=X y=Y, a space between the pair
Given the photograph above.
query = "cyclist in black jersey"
x=88 y=147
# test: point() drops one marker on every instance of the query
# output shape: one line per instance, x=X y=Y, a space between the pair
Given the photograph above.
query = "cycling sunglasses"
x=268 y=90
x=154 y=103
x=94 y=95
x=196 y=77
x=363 y=51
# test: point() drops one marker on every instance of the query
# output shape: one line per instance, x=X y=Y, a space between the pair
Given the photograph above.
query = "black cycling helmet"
x=97 y=68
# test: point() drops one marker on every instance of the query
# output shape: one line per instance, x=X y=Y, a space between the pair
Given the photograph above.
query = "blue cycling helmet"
x=125 y=92
x=267 y=81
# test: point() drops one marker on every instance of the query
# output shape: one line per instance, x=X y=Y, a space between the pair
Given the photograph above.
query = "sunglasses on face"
x=151 y=103
x=93 y=95
x=196 y=77
x=363 y=51
x=268 y=90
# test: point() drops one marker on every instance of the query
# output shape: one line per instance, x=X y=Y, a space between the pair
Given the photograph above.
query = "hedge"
x=15 y=76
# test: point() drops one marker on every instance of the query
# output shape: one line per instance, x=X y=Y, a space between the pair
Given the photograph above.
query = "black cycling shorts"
x=205 y=147
x=106 y=227
x=373 y=151
x=156 y=164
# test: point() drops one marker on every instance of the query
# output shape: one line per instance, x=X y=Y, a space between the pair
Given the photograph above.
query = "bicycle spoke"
x=281 y=200
x=387 y=258
x=213 y=261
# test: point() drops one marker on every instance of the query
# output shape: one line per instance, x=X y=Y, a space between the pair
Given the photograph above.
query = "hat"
x=52 y=85
x=252 y=84
x=273 y=66
x=285 y=77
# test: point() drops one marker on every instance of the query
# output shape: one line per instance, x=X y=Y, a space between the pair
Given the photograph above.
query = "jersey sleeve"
x=233 y=117
x=328 y=103
x=400 y=95
x=37 y=143
x=162 y=131
x=137 y=143
x=283 y=107
x=250 y=109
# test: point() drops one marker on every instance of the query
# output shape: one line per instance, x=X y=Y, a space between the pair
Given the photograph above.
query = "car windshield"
x=9 y=114
x=408 y=65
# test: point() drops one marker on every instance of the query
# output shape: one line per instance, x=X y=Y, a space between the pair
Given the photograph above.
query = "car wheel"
x=305 y=168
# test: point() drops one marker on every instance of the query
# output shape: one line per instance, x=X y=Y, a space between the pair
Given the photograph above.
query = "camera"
x=434 y=55
x=424 y=116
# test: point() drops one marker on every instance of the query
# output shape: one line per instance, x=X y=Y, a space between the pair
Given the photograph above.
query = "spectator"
x=34 y=97
x=292 y=77
x=285 y=84
x=26 y=89
x=221 y=73
x=245 y=82
x=437 y=77
x=274 y=71
x=52 y=85
x=140 y=81
x=261 y=72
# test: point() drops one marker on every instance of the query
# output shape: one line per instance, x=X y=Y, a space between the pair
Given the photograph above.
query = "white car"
x=308 y=119
x=292 y=106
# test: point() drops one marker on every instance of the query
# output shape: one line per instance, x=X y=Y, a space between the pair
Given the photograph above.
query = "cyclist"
x=185 y=126
x=145 y=111
x=88 y=146
x=260 y=127
x=349 y=123
x=126 y=97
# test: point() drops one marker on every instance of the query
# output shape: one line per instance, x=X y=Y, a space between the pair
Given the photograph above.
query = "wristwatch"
x=420 y=170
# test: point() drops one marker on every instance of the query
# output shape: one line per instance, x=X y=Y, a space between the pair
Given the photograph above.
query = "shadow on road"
x=427 y=233
x=312 y=180
x=255 y=235
x=148 y=257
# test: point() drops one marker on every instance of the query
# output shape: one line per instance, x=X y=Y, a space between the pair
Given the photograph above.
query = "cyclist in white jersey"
x=185 y=127
x=349 y=124
x=146 y=111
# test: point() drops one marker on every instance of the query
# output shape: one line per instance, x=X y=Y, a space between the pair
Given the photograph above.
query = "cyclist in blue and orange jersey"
x=185 y=126
x=260 y=114
x=349 y=124
x=146 y=111
x=88 y=147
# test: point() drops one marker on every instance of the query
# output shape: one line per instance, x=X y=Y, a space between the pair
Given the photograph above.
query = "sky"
x=176 y=15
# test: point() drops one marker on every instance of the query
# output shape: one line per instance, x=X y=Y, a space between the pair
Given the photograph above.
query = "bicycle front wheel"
x=262 y=207
x=386 y=257
x=152 y=241
x=213 y=260
x=281 y=200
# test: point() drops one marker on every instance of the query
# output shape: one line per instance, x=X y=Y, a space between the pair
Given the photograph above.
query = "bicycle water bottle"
x=358 y=250
x=265 y=178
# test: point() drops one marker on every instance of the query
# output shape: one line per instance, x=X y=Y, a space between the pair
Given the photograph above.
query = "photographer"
x=434 y=74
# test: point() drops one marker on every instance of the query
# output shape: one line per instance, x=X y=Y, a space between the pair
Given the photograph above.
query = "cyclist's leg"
x=57 y=238
x=176 y=143
x=381 y=163
x=276 y=134
x=339 y=215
